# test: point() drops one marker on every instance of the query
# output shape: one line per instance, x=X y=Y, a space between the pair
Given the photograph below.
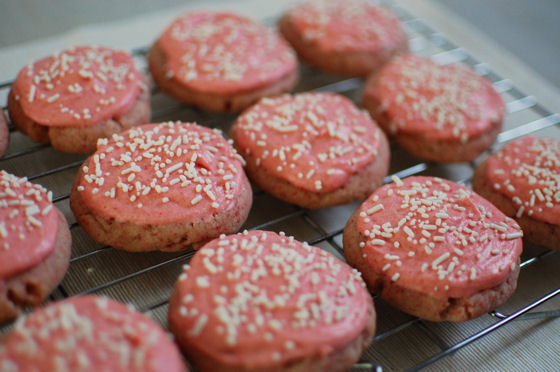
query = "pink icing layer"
x=316 y=141
x=224 y=53
x=441 y=102
x=437 y=237
x=162 y=173
x=89 y=333
x=28 y=225
x=262 y=299
x=527 y=171
x=78 y=87
x=341 y=25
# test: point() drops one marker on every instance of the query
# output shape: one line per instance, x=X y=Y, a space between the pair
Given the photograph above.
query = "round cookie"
x=442 y=113
x=35 y=245
x=76 y=96
x=89 y=333
x=434 y=249
x=312 y=149
x=260 y=301
x=4 y=134
x=523 y=181
x=353 y=38
x=161 y=187
x=221 y=61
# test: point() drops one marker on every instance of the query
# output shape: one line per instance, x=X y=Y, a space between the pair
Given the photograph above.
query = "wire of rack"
x=146 y=280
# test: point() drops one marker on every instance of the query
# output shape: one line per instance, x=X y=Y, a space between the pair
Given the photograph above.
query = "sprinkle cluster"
x=345 y=24
x=437 y=230
x=450 y=98
x=261 y=288
x=23 y=206
x=315 y=141
x=181 y=165
x=224 y=47
x=85 y=334
x=528 y=172
x=78 y=84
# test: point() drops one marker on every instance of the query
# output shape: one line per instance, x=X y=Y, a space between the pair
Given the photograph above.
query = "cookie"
x=312 y=149
x=441 y=113
x=35 y=245
x=77 y=96
x=221 y=61
x=260 y=301
x=523 y=181
x=88 y=333
x=4 y=133
x=161 y=187
x=352 y=38
x=434 y=249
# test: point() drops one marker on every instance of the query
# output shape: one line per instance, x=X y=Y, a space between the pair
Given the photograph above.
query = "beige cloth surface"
x=523 y=345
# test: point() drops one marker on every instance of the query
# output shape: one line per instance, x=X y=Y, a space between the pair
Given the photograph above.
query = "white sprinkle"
x=32 y=91
x=47 y=210
x=374 y=209
x=408 y=231
x=498 y=227
x=440 y=259
x=199 y=325
x=378 y=242
x=458 y=251
x=53 y=98
x=514 y=235
x=396 y=277
x=473 y=273
x=203 y=282
x=397 y=180
x=196 y=199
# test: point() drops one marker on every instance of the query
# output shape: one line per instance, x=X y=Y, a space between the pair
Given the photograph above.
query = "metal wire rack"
x=145 y=279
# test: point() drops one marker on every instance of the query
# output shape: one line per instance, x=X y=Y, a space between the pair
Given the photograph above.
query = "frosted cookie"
x=260 y=301
x=351 y=38
x=88 y=333
x=74 y=97
x=440 y=113
x=523 y=181
x=434 y=249
x=35 y=245
x=4 y=133
x=161 y=187
x=221 y=61
x=312 y=149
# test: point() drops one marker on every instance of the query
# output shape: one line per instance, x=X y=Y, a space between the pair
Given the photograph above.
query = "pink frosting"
x=262 y=299
x=441 y=102
x=89 y=333
x=437 y=237
x=28 y=225
x=527 y=171
x=342 y=25
x=224 y=53
x=78 y=87
x=162 y=173
x=316 y=141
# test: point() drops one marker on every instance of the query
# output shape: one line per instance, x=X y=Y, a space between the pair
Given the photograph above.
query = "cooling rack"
x=145 y=280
